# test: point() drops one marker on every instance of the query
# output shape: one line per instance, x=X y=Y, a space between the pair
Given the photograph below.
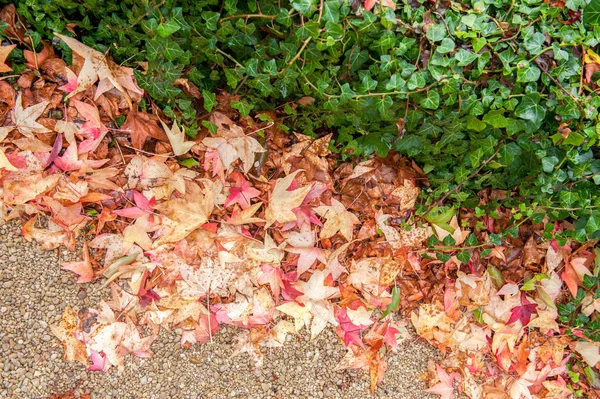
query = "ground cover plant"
x=313 y=164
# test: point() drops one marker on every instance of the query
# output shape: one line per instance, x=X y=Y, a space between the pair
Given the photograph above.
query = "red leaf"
x=523 y=312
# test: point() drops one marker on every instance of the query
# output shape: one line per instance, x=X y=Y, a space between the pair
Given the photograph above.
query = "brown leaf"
x=65 y=332
x=4 y=52
x=7 y=98
x=531 y=254
x=142 y=125
x=15 y=29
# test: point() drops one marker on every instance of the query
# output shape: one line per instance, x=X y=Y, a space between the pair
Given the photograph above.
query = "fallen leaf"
x=4 y=52
x=25 y=119
x=444 y=388
x=82 y=268
x=177 y=139
x=98 y=67
x=140 y=126
x=65 y=332
x=283 y=200
x=337 y=219
x=589 y=351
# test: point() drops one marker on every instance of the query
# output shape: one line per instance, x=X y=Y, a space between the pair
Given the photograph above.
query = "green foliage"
x=571 y=313
x=481 y=87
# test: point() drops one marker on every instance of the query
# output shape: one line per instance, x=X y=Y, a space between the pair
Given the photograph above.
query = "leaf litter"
x=274 y=236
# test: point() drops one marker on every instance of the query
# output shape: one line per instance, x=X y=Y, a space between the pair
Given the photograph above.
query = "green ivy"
x=480 y=87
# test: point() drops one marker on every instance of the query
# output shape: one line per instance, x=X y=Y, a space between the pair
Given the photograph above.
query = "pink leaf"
x=241 y=193
x=445 y=387
x=82 y=268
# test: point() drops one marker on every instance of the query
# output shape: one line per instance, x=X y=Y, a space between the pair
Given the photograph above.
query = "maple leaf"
x=65 y=332
x=143 y=207
x=337 y=219
x=232 y=143
x=177 y=139
x=50 y=238
x=307 y=258
x=27 y=189
x=242 y=192
x=557 y=389
x=365 y=358
x=283 y=200
x=348 y=329
x=4 y=52
x=323 y=314
x=94 y=129
x=5 y=163
x=445 y=387
x=188 y=213
x=589 y=351
x=238 y=218
x=98 y=362
x=25 y=119
x=272 y=276
x=82 y=268
x=300 y=313
x=107 y=340
x=35 y=60
x=523 y=313
x=315 y=289
x=98 y=67
x=136 y=233
x=575 y=269
x=310 y=154
x=140 y=126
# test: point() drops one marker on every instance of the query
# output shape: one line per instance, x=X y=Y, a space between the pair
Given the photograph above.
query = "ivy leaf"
x=331 y=11
x=432 y=101
x=166 y=29
x=210 y=100
x=591 y=13
x=465 y=57
x=527 y=73
x=446 y=46
x=436 y=33
x=304 y=7
x=496 y=118
x=530 y=109
x=475 y=124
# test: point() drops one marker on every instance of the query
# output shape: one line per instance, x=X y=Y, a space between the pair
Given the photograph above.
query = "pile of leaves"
x=481 y=94
x=250 y=226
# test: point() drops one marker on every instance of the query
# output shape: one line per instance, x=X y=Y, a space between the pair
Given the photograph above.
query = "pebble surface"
x=34 y=293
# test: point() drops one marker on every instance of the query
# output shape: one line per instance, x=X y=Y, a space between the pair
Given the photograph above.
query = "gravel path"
x=34 y=292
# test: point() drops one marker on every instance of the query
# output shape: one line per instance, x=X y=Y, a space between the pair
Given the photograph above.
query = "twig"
x=218 y=50
x=139 y=19
x=458 y=186
x=393 y=93
x=119 y=148
x=539 y=64
x=246 y=16
x=582 y=70
x=572 y=183
x=304 y=44
x=407 y=26
x=148 y=153
x=571 y=209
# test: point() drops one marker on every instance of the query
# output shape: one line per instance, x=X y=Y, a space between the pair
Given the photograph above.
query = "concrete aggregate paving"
x=33 y=295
